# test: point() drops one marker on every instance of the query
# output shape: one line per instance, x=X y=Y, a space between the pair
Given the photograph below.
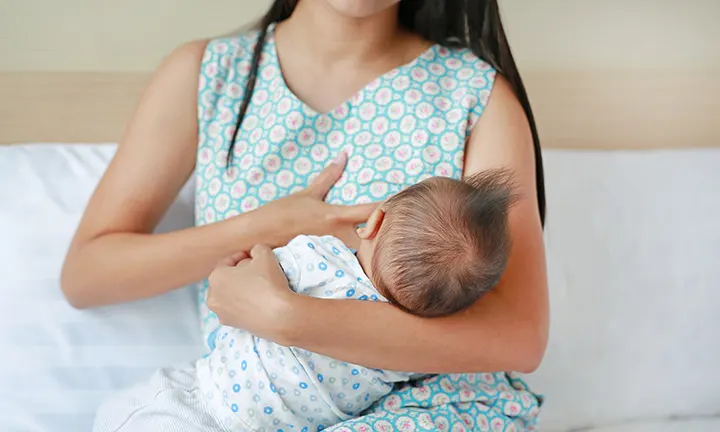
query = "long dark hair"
x=473 y=24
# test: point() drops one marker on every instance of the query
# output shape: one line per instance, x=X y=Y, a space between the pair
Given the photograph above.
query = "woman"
x=385 y=81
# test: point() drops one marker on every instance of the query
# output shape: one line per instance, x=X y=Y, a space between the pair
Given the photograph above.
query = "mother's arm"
x=114 y=257
x=506 y=330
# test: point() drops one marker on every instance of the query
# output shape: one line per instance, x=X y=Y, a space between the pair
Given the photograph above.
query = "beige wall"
x=133 y=35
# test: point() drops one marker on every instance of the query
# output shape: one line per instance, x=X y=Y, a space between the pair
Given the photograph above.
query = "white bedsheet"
x=633 y=251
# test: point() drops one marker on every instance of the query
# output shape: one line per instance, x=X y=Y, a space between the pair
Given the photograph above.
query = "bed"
x=632 y=243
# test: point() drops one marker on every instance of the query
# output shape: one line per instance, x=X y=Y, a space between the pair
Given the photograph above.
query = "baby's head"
x=438 y=246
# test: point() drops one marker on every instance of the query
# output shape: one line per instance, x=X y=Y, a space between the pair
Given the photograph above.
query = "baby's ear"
x=371 y=228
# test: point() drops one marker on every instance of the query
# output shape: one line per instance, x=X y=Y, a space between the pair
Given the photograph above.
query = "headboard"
x=582 y=110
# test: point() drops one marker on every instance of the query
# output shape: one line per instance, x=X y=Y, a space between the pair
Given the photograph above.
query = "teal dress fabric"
x=407 y=125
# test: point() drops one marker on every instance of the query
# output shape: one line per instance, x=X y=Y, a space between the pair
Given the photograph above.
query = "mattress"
x=632 y=242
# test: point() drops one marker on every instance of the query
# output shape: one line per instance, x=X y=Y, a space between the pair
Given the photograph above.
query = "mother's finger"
x=328 y=177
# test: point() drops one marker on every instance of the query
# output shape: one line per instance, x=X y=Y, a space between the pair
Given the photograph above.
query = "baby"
x=431 y=250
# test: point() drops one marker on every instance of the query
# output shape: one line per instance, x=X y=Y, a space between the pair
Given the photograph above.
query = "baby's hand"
x=250 y=291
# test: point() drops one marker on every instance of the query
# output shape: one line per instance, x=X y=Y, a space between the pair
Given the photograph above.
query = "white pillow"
x=57 y=363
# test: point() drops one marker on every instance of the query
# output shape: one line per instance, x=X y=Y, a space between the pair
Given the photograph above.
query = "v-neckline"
x=344 y=106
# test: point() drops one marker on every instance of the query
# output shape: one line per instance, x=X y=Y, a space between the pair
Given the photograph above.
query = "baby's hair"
x=444 y=243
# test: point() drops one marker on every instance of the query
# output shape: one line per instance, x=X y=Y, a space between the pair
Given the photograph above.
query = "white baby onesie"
x=270 y=387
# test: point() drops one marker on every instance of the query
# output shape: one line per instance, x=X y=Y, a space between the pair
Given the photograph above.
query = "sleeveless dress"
x=409 y=124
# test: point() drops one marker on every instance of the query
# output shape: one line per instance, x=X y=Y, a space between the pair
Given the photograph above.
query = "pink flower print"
x=412 y=96
x=443 y=170
x=403 y=153
x=349 y=192
x=482 y=422
x=365 y=176
x=392 y=403
x=441 y=423
x=419 y=74
x=205 y=156
x=383 y=164
x=431 y=88
x=420 y=138
x=453 y=63
x=446 y=385
x=400 y=84
x=392 y=139
x=336 y=139
x=420 y=393
x=211 y=70
x=255 y=176
x=271 y=163
x=405 y=424
x=238 y=190
x=484 y=96
x=414 y=167
x=265 y=110
x=373 y=151
x=285 y=178
x=352 y=125
x=255 y=135
x=469 y=101
x=231 y=173
x=284 y=105
x=431 y=154
x=209 y=215
x=226 y=115
x=378 y=189
x=320 y=153
x=219 y=85
x=397 y=109
x=340 y=112
x=221 y=48
x=467 y=395
x=214 y=187
x=436 y=125
x=260 y=96
x=322 y=124
x=380 y=125
x=355 y=163
x=497 y=425
x=262 y=147
x=455 y=115
x=458 y=428
x=306 y=137
x=464 y=74
x=249 y=204
x=367 y=111
x=449 y=141
x=302 y=165
x=424 y=110
x=363 y=138
x=268 y=192
x=443 y=52
x=203 y=199
x=222 y=202
x=512 y=409
x=289 y=151
x=408 y=123
x=235 y=90
x=478 y=81
x=448 y=83
x=244 y=67
x=294 y=121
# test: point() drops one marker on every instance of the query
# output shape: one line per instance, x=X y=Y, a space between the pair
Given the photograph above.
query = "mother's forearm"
x=489 y=337
x=121 y=267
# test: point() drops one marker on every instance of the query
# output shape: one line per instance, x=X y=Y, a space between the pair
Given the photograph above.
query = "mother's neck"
x=315 y=27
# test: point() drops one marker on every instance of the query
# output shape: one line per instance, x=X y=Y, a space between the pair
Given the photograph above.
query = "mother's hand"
x=250 y=291
x=306 y=212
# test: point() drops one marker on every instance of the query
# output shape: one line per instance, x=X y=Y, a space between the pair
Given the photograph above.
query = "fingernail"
x=340 y=158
